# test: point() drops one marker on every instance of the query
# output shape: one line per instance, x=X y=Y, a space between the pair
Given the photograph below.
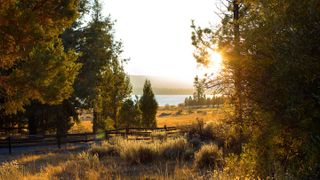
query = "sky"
x=156 y=34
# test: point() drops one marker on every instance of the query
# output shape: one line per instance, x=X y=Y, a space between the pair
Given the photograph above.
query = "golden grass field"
x=187 y=117
x=78 y=165
x=173 y=117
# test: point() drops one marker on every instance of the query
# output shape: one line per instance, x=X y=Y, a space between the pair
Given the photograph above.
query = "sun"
x=215 y=65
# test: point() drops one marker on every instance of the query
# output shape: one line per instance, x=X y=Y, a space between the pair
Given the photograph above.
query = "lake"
x=169 y=99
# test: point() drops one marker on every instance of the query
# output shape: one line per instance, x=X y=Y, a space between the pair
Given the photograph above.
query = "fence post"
x=165 y=131
x=9 y=143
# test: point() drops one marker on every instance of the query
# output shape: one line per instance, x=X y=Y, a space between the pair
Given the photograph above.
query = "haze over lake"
x=168 y=99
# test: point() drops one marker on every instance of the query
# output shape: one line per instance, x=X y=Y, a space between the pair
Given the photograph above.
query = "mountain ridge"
x=161 y=85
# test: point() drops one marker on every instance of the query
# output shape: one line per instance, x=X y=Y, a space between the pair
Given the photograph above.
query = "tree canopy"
x=272 y=75
x=33 y=63
x=148 y=106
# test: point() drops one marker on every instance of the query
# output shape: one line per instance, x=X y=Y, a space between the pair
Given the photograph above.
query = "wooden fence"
x=10 y=142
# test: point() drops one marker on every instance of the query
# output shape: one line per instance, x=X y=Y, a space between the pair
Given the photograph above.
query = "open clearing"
x=173 y=116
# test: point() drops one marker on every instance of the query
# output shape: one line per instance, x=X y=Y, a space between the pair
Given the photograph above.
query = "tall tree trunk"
x=238 y=70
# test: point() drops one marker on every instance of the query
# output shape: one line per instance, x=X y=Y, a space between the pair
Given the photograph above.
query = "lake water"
x=170 y=99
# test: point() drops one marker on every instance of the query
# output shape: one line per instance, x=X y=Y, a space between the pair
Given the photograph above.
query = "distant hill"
x=160 y=85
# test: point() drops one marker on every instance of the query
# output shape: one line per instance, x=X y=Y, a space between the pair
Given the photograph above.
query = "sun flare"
x=215 y=65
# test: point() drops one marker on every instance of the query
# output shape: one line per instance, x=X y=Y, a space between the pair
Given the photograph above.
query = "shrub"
x=188 y=154
x=138 y=152
x=195 y=130
x=174 y=148
x=218 y=133
x=195 y=142
x=84 y=166
x=104 y=150
x=209 y=156
x=10 y=170
x=135 y=152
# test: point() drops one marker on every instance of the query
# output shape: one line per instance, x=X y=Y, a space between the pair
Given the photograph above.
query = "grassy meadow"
x=169 y=116
x=172 y=158
x=177 y=157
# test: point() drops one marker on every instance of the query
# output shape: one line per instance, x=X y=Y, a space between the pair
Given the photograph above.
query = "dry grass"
x=188 y=117
x=184 y=117
x=85 y=165
x=82 y=127
x=141 y=152
x=209 y=156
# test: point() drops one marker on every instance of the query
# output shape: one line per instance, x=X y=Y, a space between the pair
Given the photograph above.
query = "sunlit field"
x=82 y=127
x=173 y=158
x=161 y=89
x=166 y=116
x=184 y=116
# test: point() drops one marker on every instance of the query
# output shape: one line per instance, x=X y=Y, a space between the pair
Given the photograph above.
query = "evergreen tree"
x=114 y=88
x=148 y=106
x=276 y=60
x=33 y=63
x=72 y=37
x=99 y=51
x=199 y=95
x=44 y=118
x=130 y=114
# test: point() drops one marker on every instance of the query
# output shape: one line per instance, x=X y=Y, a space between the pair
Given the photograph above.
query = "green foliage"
x=102 y=83
x=43 y=118
x=276 y=69
x=148 y=106
x=114 y=88
x=33 y=63
x=130 y=114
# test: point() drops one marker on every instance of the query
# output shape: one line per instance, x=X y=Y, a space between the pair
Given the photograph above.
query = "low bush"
x=173 y=148
x=104 y=150
x=189 y=154
x=221 y=134
x=209 y=156
x=195 y=142
x=135 y=152
x=139 y=152
x=9 y=170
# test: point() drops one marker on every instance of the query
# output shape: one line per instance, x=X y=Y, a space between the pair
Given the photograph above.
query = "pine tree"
x=199 y=94
x=114 y=88
x=130 y=114
x=97 y=47
x=148 y=106
x=33 y=63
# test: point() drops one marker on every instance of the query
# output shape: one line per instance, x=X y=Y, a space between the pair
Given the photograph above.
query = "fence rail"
x=10 y=142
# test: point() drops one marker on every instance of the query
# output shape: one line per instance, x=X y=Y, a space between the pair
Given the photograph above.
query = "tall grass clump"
x=84 y=166
x=10 y=170
x=174 y=148
x=221 y=134
x=136 y=152
x=209 y=156
x=104 y=149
